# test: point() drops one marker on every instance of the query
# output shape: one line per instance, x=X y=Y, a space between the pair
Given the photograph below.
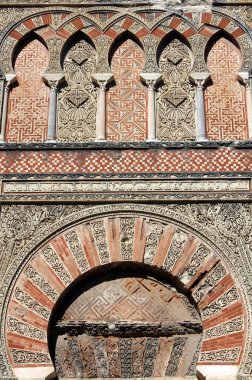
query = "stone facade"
x=125 y=187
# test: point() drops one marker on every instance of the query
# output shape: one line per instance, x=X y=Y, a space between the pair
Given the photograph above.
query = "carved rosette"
x=175 y=99
x=78 y=101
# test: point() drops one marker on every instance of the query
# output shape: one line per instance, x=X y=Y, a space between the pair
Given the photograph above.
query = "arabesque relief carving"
x=78 y=101
x=175 y=99
x=19 y=223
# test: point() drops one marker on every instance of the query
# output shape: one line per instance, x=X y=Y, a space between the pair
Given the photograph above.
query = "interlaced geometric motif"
x=77 y=101
x=125 y=161
x=28 y=102
x=130 y=299
x=127 y=101
x=225 y=99
x=175 y=99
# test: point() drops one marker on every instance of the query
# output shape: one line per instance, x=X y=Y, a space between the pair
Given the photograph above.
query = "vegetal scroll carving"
x=77 y=101
x=175 y=99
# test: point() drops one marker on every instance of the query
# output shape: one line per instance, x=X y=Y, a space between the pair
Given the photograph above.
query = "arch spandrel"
x=127 y=237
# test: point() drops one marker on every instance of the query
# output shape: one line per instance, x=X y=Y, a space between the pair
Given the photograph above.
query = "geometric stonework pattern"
x=77 y=101
x=144 y=348
x=125 y=161
x=29 y=100
x=225 y=99
x=131 y=299
x=175 y=99
x=165 y=246
x=127 y=100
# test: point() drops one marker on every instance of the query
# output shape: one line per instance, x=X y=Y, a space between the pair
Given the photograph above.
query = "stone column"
x=151 y=80
x=200 y=78
x=151 y=111
x=52 y=114
x=101 y=80
x=53 y=80
x=246 y=79
x=9 y=80
x=4 y=112
x=200 y=112
x=249 y=105
x=100 y=134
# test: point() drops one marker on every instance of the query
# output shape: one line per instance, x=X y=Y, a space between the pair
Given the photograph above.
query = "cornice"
x=106 y=145
x=122 y=3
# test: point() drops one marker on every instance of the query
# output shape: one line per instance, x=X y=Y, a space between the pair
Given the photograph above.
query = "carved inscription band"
x=126 y=186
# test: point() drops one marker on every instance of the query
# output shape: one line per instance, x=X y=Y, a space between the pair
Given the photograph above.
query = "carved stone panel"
x=123 y=324
x=78 y=100
x=175 y=99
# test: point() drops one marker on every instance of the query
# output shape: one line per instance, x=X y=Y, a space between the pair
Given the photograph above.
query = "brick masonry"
x=222 y=124
x=126 y=161
x=127 y=101
x=225 y=100
x=29 y=99
x=216 y=295
x=125 y=238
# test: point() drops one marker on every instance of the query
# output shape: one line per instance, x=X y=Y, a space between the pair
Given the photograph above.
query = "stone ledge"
x=107 y=145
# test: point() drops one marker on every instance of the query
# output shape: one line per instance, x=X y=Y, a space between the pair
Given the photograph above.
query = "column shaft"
x=52 y=115
x=249 y=108
x=4 y=112
x=101 y=113
x=151 y=113
x=201 y=118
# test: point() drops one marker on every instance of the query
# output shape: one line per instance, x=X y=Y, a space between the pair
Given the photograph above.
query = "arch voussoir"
x=124 y=237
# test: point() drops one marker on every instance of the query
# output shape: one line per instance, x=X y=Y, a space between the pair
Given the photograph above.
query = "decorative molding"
x=129 y=187
x=247 y=144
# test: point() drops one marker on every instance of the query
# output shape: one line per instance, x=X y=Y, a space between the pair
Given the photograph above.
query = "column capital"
x=102 y=85
x=9 y=80
x=151 y=79
x=200 y=84
x=53 y=80
x=199 y=78
x=244 y=76
x=102 y=79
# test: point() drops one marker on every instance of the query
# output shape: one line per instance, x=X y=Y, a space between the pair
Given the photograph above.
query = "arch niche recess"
x=124 y=284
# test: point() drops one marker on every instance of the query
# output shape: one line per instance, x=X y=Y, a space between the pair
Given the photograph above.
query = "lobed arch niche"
x=225 y=95
x=28 y=100
x=135 y=244
x=176 y=95
x=77 y=99
x=127 y=102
